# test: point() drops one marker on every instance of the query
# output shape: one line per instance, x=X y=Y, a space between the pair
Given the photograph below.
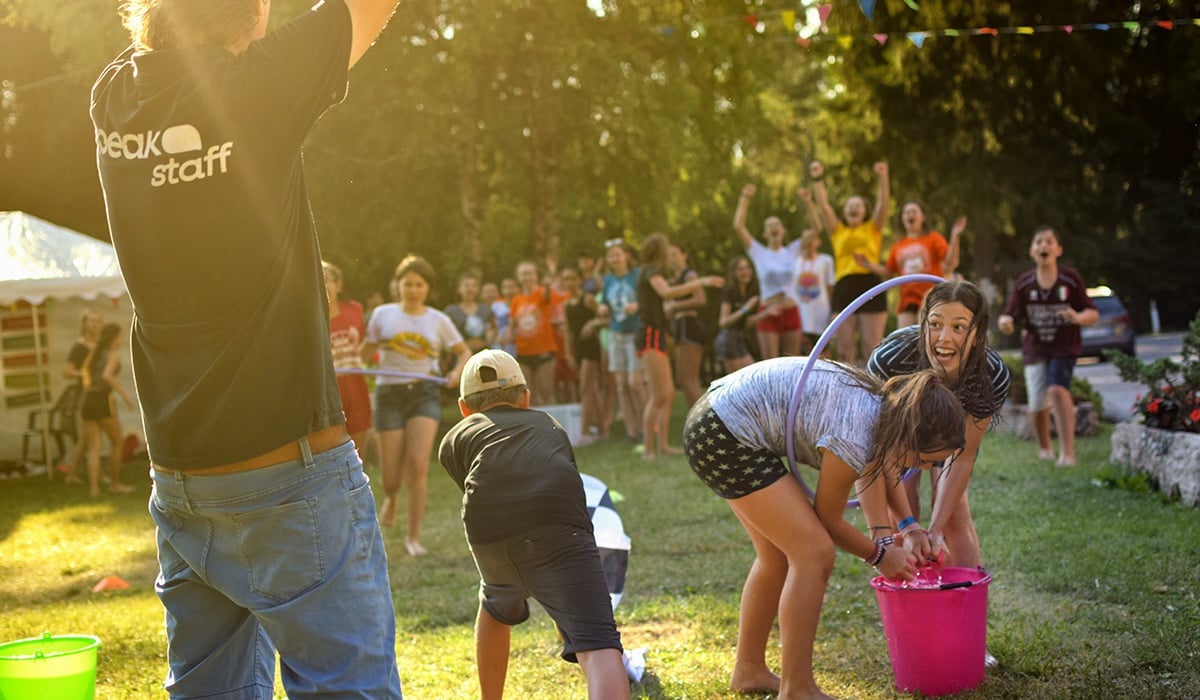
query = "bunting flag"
x=912 y=5
x=868 y=8
x=806 y=34
x=823 y=11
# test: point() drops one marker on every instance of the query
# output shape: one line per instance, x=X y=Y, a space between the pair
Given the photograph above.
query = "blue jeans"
x=286 y=558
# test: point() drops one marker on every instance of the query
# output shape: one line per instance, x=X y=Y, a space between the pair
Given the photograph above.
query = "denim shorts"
x=286 y=558
x=396 y=403
x=622 y=352
x=559 y=567
x=1040 y=376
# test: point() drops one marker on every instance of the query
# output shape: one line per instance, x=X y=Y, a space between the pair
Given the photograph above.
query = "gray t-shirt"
x=834 y=412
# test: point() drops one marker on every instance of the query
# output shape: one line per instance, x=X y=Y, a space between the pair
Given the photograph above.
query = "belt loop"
x=306 y=453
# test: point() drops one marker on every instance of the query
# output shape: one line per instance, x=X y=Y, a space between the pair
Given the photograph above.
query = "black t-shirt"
x=650 y=304
x=734 y=297
x=1036 y=311
x=77 y=355
x=199 y=158
x=517 y=472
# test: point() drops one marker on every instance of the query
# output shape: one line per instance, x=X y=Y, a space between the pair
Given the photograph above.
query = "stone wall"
x=1171 y=458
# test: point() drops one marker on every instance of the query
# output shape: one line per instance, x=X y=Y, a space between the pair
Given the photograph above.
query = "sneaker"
x=989 y=661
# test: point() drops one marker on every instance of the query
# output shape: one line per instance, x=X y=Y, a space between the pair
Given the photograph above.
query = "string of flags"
x=813 y=27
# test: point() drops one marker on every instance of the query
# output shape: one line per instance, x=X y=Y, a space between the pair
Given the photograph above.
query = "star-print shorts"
x=728 y=467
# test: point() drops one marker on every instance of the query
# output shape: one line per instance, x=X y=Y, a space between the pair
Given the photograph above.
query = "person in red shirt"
x=1049 y=303
x=347 y=328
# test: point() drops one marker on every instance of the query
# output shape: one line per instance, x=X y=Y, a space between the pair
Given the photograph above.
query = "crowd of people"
x=256 y=409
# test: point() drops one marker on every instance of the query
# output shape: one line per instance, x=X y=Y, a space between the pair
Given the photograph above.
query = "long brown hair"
x=974 y=387
x=918 y=413
x=93 y=367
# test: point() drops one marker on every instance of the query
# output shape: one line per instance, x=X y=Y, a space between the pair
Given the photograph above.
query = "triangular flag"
x=845 y=41
x=110 y=583
x=1167 y=24
x=868 y=8
x=668 y=30
x=1131 y=26
x=912 y=5
x=881 y=38
x=751 y=20
x=1024 y=30
x=917 y=38
x=802 y=41
x=789 y=20
x=1196 y=22
x=950 y=32
x=1101 y=27
x=988 y=30
x=823 y=11
x=1068 y=28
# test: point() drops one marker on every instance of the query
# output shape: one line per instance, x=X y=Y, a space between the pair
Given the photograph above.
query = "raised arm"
x=739 y=215
x=881 y=196
x=816 y=171
x=950 y=264
x=368 y=18
x=810 y=207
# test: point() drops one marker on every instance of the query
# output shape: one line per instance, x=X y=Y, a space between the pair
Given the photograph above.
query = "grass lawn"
x=1094 y=592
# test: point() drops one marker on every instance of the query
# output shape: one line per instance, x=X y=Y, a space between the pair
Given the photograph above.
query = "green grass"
x=1094 y=591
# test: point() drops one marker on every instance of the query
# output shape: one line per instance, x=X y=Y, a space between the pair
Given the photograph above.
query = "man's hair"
x=171 y=24
x=490 y=397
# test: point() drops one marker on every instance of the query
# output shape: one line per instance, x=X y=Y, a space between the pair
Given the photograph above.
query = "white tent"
x=41 y=261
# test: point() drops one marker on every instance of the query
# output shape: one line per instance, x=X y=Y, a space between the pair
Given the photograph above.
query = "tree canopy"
x=481 y=133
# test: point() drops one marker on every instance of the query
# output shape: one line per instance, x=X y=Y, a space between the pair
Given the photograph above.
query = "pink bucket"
x=936 y=637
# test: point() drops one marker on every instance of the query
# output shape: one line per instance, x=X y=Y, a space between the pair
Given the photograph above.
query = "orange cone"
x=110 y=583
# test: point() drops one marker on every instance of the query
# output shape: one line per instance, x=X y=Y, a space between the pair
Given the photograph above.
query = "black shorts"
x=731 y=345
x=650 y=339
x=689 y=330
x=726 y=466
x=851 y=287
x=97 y=405
x=559 y=567
x=535 y=361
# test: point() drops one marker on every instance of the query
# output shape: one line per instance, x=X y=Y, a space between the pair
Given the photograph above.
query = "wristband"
x=907 y=522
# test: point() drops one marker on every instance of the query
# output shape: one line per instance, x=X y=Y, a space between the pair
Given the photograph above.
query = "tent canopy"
x=39 y=260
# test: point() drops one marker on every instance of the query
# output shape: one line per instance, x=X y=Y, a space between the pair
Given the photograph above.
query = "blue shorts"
x=395 y=404
x=286 y=558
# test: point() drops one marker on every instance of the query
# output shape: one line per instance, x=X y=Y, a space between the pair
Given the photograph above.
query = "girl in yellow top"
x=857 y=244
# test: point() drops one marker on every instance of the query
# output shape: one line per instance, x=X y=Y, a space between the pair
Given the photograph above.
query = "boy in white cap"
x=528 y=528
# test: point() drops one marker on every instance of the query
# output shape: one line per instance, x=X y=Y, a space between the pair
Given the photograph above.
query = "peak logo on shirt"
x=178 y=140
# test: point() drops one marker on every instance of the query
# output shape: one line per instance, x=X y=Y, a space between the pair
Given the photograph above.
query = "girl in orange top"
x=531 y=329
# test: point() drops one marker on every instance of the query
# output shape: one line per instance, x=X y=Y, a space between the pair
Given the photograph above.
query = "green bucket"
x=62 y=667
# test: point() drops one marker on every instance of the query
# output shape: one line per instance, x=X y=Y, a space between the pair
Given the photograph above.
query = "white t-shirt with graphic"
x=410 y=343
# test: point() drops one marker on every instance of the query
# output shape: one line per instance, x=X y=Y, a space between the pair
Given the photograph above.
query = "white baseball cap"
x=504 y=372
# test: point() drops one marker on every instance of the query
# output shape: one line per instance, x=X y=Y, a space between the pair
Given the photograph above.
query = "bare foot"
x=1045 y=454
x=414 y=548
x=672 y=450
x=1065 y=461
x=120 y=488
x=94 y=493
x=387 y=512
x=750 y=678
x=649 y=456
x=72 y=480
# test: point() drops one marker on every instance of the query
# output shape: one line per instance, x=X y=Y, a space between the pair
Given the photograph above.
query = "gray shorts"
x=622 y=352
x=559 y=567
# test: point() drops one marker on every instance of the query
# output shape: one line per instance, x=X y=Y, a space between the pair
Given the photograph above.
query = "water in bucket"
x=936 y=631
x=59 y=667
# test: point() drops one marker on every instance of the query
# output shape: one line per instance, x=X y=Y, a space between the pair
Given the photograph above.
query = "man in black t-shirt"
x=267 y=536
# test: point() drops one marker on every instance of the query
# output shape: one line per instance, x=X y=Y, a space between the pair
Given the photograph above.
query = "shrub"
x=1173 y=399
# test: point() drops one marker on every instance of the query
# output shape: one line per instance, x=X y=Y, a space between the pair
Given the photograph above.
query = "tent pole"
x=41 y=389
